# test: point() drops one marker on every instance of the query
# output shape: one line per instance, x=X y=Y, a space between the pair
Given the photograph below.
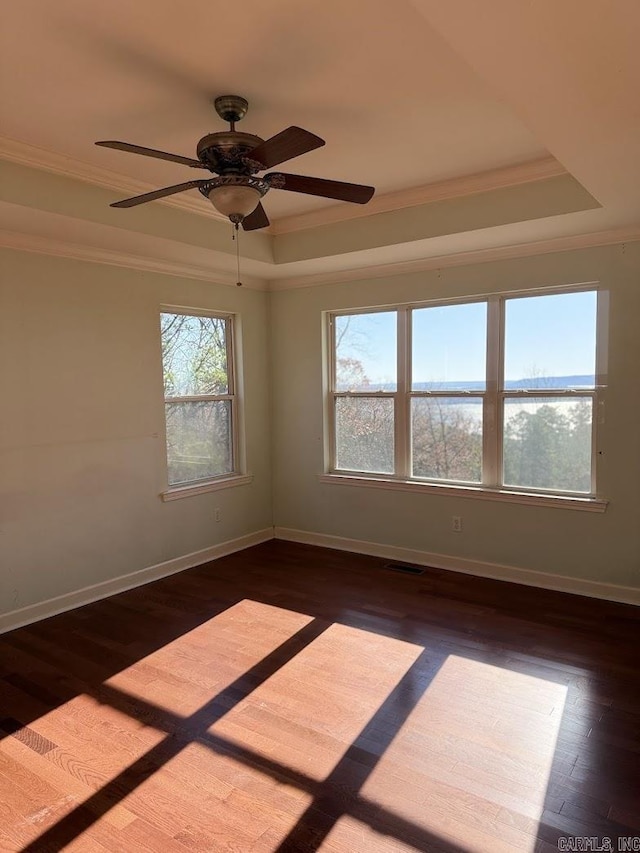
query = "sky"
x=552 y=335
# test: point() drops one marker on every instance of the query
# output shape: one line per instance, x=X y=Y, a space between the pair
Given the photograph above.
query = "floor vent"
x=405 y=568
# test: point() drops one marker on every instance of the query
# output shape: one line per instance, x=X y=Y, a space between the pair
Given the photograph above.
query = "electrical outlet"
x=456 y=523
x=217 y=514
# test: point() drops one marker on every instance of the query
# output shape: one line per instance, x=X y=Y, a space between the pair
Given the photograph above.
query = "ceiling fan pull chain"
x=236 y=237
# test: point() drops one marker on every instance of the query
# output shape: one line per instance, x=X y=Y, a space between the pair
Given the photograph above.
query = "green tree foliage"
x=549 y=449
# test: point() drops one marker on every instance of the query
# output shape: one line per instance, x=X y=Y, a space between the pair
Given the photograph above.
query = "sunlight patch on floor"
x=474 y=757
x=308 y=712
x=232 y=799
x=350 y=834
x=185 y=674
x=45 y=788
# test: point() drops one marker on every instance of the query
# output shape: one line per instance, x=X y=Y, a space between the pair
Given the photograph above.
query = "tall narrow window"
x=366 y=384
x=449 y=358
x=549 y=391
x=200 y=401
x=498 y=393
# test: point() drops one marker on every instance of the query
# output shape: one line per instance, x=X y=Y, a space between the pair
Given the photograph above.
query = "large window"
x=499 y=393
x=200 y=399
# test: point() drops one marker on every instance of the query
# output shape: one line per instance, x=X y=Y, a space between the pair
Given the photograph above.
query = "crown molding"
x=520 y=250
x=25 y=154
x=58 y=248
x=61 y=249
x=509 y=176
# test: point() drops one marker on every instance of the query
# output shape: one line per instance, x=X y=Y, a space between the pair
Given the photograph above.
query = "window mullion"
x=402 y=402
x=597 y=415
x=331 y=397
x=491 y=416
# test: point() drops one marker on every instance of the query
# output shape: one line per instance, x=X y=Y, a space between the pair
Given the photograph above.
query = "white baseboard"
x=495 y=571
x=71 y=600
x=59 y=604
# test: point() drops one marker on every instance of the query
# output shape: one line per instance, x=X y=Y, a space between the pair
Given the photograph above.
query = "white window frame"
x=493 y=398
x=236 y=476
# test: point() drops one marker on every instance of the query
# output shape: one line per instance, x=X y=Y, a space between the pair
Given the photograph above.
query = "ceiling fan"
x=236 y=158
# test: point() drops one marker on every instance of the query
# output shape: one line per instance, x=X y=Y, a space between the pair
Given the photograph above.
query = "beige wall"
x=577 y=544
x=82 y=430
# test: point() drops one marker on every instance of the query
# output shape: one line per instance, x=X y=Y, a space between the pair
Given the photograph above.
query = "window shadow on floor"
x=45 y=665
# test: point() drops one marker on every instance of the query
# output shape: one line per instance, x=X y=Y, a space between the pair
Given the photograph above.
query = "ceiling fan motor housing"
x=228 y=152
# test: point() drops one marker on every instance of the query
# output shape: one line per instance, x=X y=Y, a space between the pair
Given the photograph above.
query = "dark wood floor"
x=290 y=698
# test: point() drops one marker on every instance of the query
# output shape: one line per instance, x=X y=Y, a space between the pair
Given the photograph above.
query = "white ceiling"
x=406 y=94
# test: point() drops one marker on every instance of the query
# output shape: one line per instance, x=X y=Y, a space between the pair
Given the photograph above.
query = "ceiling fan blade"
x=152 y=152
x=141 y=199
x=255 y=220
x=319 y=186
x=285 y=145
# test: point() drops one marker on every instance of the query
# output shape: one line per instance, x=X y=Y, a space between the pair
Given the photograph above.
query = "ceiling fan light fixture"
x=237 y=201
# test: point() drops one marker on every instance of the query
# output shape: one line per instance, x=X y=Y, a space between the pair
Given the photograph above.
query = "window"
x=497 y=394
x=199 y=394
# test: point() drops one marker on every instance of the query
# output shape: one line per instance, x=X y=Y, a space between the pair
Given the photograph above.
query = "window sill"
x=476 y=493
x=177 y=492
